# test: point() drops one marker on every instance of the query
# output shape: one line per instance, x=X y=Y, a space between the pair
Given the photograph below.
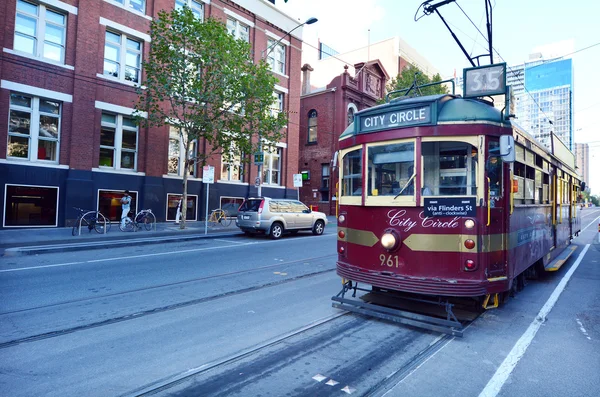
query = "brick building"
x=324 y=114
x=68 y=74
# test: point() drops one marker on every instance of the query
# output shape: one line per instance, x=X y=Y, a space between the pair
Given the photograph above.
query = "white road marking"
x=582 y=329
x=227 y=241
x=331 y=382
x=348 y=390
x=319 y=377
x=159 y=254
x=495 y=384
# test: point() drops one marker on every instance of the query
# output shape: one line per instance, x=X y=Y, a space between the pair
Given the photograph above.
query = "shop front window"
x=30 y=206
x=173 y=203
x=109 y=203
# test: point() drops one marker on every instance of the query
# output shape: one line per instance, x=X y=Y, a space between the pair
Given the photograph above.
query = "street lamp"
x=264 y=57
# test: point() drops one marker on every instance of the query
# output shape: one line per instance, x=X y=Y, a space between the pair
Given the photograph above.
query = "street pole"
x=265 y=56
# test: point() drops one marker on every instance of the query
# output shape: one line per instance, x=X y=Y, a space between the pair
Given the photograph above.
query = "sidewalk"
x=38 y=240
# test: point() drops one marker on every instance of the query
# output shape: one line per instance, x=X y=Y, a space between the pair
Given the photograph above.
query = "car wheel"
x=318 y=228
x=276 y=231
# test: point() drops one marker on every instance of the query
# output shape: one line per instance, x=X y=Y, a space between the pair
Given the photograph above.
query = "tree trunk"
x=184 y=182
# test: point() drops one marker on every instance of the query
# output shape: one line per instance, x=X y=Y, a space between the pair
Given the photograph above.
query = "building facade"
x=69 y=71
x=582 y=161
x=324 y=114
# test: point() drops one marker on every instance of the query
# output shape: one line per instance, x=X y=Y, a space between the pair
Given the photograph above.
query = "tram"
x=444 y=197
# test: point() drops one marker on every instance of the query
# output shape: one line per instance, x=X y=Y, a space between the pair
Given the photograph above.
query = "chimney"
x=306 y=69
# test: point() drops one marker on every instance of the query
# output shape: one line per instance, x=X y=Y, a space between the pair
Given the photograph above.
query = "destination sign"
x=396 y=118
x=460 y=206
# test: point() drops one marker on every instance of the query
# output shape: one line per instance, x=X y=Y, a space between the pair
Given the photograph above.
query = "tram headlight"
x=469 y=223
x=390 y=240
x=341 y=218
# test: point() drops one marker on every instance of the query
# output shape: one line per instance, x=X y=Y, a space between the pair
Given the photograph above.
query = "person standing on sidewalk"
x=125 y=206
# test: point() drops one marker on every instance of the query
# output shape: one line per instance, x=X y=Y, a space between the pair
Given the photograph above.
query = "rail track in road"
x=161 y=309
x=295 y=346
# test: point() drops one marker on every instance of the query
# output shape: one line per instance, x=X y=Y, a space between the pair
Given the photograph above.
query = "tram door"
x=496 y=222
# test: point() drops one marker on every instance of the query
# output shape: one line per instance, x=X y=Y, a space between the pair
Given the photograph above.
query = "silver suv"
x=277 y=216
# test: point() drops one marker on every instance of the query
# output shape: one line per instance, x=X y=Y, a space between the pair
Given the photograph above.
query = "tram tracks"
x=222 y=377
x=165 y=308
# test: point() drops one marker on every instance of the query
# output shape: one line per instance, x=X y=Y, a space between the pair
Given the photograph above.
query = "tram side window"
x=449 y=169
x=352 y=173
x=494 y=169
x=392 y=170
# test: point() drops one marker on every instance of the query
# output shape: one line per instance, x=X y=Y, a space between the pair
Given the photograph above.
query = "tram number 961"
x=389 y=260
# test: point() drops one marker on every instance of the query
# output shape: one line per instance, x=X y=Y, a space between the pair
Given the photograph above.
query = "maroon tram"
x=442 y=196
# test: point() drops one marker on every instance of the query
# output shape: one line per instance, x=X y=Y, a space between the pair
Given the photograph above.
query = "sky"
x=520 y=27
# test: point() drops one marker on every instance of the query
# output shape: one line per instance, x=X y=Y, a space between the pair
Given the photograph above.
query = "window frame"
x=237 y=29
x=30 y=186
x=276 y=55
x=127 y=5
x=39 y=37
x=312 y=127
x=122 y=52
x=118 y=142
x=271 y=153
x=174 y=134
x=194 y=5
x=236 y=162
x=34 y=128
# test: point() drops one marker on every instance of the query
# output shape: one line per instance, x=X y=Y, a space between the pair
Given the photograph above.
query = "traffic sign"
x=208 y=174
x=259 y=158
x=297 y=180
x=257 y=182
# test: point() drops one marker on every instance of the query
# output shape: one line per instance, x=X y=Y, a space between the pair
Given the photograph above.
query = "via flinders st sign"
x=396 y=118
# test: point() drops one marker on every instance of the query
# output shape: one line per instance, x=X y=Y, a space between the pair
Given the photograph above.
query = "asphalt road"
x=253 y=317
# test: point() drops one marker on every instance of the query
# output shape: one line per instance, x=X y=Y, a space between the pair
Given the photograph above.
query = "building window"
x=137 y=5
x=122 y=57
x=350 y=116
x=30 y=206
x=231 y=205
x=196 y=6
x=312 y=126
x=33 y=128
x=173 y=202
x=272 y=165
x=118 y=142
x=176 y=154
x=40 y=31
x=277 y=103
x=238 y=30
x=109 y=203
x=324 y=182
x=231 y=170
x=276 y=58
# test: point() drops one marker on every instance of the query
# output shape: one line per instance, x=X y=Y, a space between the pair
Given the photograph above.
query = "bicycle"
x=145 y=217
x=94 y=220
x=218 y=216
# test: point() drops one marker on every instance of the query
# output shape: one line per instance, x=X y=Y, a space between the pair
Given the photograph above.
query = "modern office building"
x=69 y=71
x=582 y=161
x=542 y=90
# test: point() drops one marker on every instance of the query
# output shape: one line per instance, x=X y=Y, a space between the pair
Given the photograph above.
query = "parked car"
x=278 y=216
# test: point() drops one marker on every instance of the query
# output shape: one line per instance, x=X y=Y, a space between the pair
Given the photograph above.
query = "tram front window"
x=391 y=169
x=352 y=173
x=449 y=169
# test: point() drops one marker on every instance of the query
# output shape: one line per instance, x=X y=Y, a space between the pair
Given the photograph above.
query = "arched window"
x=350 y=116
x=312 y=126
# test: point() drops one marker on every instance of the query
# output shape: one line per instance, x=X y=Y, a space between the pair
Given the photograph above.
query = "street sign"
x=259 y=158
x=257 y=182
x=208 y=174
x=297 y=180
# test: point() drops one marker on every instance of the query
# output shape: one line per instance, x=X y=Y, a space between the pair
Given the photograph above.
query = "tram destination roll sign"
x=455 y=206
x=396 y=118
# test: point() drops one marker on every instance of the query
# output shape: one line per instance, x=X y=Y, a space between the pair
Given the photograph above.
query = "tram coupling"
x=391 y=306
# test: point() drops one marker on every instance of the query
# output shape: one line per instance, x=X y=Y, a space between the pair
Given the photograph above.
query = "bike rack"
x=98 y=214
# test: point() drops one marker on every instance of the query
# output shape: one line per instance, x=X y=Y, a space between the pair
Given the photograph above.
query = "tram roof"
x=438 y=109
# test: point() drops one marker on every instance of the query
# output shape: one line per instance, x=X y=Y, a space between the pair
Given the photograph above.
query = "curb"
x=42 y=249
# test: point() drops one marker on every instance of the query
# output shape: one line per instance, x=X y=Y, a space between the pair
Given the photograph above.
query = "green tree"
x=406 y=78
x=203 y=82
